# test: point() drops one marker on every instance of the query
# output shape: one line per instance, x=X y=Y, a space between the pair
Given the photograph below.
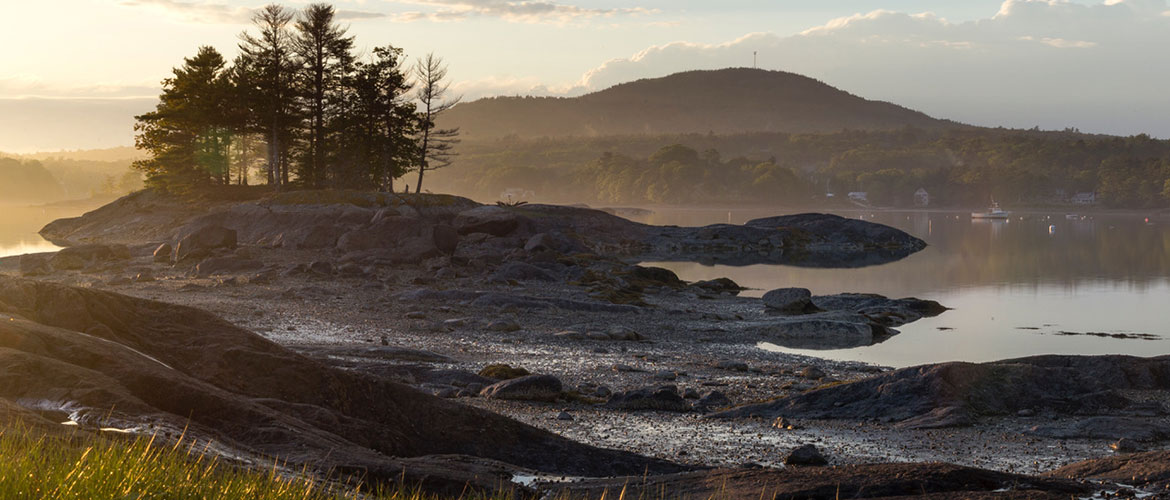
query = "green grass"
x=35 y=466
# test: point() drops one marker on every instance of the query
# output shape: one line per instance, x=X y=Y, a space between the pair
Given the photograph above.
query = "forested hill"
x=726 y=101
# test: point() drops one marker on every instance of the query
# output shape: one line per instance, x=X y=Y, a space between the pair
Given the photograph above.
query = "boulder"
x=958 y=392
x=446 y=238
x=527 y=388
x=661 y=398
x=387 y=232
x=84 y=256
x=226 y=265
x=554 y=241
x=202 y=241
x=789 y=301
x=496 y=221
x=805 y=455
x=815 y=331
x=718 y=285
x=714 y=399
x=311 y=237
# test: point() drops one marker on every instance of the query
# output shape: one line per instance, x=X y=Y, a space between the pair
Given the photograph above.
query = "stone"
x=202 y=241
x=387 y=233
x=500 y=371
x=554 y=241
x=446 y=238
x=690 y=393
x=668 y=375
x=661 y=398
x=718 y=285
x=321 y=267
x=714 y=399
x=85 y=256
x=163 y=253
x=144 y=277
x=416 y=315
x=789 y=300
x=564 y=415
x=807 y=455
x=1124 y=445
x=732 y=365
x=527 y=388
x=785 y=424
x=496 y=221
x=619 y=332
x=503 y=325
x=1026 y=412
x=812 y=373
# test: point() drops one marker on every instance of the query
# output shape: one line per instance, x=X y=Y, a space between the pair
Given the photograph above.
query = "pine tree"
x=434 y=145
x=272 y=54
x=188 y=134
x=379 y=123
x=325 y=53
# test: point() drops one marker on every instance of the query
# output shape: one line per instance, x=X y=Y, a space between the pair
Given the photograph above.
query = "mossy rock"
x=500 y=371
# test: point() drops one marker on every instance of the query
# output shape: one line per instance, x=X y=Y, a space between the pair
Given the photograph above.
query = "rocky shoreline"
x=419 y=295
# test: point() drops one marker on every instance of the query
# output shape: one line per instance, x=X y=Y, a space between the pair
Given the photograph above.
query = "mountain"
x=723 y=101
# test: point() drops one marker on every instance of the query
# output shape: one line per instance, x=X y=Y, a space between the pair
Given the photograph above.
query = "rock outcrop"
x=107 y=360
x=957 y=393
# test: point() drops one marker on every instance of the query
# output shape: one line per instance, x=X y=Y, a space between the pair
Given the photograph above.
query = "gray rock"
x=496 y=221
x=662 y=398
x=527 y=388
x=321 y=267
x=446 y=238
x=520 y=271
x=690 y=393
x=807 y=455
x=727 y=364
x=812 y=373
x=503 y=325
x=144 y=277
x=554 y=241
x=835 y=330
x=714 y=399
x=200 y=242
x=564 y=415
x=85 y=256
x=667 y=375
x=389 y=232
x=619 y=332
x=1124 y=445
x=789 y=300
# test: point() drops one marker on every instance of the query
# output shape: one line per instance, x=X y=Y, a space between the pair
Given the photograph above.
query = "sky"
x=73 y=72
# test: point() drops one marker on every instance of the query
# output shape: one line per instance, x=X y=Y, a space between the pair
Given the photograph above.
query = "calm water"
x=19 y=226
x=1014 y=285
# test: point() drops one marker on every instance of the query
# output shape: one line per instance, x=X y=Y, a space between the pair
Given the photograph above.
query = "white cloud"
x=1099 y=67
x=525 y=11
x=218 y=13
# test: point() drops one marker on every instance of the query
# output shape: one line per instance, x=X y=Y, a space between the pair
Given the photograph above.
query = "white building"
x=859 y=196
x=921 y=198
x=1084 y=199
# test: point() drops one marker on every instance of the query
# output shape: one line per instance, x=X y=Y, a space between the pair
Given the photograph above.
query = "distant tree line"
x=964 y=166
x=299 y=106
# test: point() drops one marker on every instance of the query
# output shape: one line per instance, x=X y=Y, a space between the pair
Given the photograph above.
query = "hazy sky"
x=1102 y=66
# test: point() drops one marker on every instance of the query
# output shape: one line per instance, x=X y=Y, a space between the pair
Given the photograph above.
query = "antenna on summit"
x=754 y=65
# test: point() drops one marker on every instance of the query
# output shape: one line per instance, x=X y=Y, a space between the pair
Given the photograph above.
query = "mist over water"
x=1017 y=287
x=19 y=226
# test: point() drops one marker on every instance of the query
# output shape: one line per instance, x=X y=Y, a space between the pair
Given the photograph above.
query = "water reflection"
x=1103 y=274
x=19 y=226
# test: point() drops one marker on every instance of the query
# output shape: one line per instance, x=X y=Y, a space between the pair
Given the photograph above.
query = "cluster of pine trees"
x=300 y=106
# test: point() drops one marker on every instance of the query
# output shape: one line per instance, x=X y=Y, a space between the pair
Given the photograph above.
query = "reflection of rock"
x=832 y=330
x=847 y=320
x=955 y=393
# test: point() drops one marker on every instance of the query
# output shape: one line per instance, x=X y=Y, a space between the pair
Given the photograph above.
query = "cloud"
x=214 y=13
x=1051 y=63
x=525 y=11
x=21 y=86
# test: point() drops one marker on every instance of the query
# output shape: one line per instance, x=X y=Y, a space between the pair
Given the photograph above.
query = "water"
x=1018 y=287
x=19 y=226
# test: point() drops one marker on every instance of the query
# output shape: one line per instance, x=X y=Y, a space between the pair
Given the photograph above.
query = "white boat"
x=992 y=212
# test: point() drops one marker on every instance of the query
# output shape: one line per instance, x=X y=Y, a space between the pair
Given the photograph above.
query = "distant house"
x=859 y=196
x=921 y=198
x=1084 y=199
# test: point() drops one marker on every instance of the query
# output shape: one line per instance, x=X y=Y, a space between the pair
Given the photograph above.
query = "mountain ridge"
x=725 y=101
